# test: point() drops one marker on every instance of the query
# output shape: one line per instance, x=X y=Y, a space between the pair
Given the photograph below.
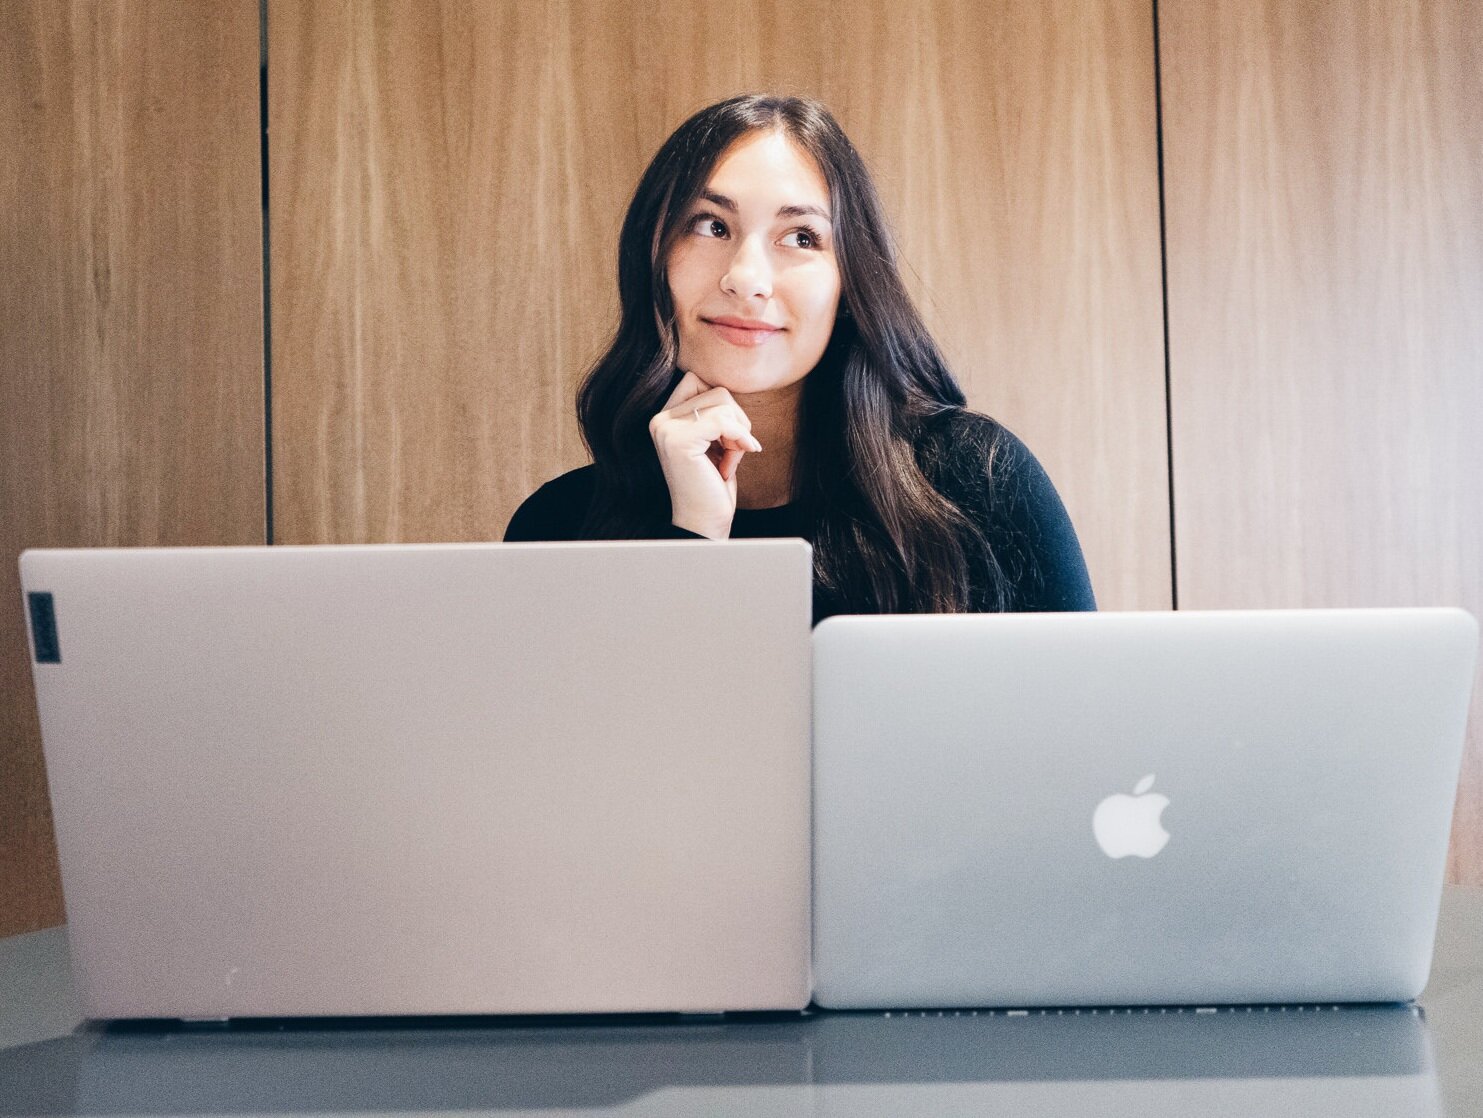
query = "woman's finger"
x=733 y=437
x=700 y=413
x=690 y=385
x=703 y=428
x=728 y=463
x=715 y=398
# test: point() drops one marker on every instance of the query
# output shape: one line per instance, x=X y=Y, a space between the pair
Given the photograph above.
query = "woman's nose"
x=750 y=272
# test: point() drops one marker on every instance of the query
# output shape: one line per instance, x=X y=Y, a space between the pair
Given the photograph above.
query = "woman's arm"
x=557 y=510
x=995 y=479
x=1035 y=533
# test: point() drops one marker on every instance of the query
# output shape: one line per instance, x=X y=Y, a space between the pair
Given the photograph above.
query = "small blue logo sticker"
x=44 y=628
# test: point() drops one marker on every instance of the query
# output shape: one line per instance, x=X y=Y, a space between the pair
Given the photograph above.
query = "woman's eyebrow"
x=804 y=211
x=787 y=211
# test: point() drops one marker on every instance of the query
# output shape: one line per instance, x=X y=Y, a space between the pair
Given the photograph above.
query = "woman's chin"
x=750 y=382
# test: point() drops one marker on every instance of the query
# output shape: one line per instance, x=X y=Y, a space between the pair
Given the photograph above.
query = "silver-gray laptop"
x=427 y=778
x=1133 y=808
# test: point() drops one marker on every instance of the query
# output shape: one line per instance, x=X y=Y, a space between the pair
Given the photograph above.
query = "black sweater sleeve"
x=556 y=510
x=998 y=483
x=1055 y=574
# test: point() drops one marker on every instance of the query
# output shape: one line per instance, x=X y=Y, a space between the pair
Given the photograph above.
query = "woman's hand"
x=700 y=436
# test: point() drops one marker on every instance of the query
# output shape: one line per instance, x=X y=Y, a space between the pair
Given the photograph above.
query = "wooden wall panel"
x=448 y=180
x=131 y=381
x=1016 y=147
x=1324 y=178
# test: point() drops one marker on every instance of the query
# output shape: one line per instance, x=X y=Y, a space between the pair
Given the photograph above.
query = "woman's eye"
x=706 y=226
x=808 y=239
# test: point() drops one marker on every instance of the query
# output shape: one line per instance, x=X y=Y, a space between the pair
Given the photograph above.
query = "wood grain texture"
x=448 y=181
x=131 y=382
x=1324 y=178
x=1016 y=147
x=439 y=277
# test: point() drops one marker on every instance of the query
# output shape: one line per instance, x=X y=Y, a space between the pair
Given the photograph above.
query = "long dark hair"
x=884 y=539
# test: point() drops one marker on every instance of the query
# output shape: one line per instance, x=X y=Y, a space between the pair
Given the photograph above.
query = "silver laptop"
x=1133 y=808
x=429 y=779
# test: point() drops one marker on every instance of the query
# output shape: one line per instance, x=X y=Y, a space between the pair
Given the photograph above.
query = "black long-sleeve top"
x=973 y=460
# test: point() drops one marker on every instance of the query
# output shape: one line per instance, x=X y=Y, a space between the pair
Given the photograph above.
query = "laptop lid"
x=429 y=779
x=992 y=795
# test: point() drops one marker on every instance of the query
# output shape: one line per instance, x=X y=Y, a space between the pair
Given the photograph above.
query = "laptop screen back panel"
x=1309 y=761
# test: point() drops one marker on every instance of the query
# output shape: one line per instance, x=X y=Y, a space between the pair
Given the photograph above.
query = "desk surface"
x=1357 y=1060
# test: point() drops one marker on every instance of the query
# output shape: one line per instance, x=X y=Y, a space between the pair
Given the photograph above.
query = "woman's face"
x=753 y=276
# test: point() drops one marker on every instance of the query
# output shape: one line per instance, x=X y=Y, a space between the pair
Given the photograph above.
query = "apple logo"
x=1127 y=825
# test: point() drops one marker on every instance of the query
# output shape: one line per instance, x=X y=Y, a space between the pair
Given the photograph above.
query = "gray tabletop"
x=1354 y=1060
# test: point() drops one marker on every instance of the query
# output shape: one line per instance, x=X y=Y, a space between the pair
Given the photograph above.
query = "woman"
x=770 y=377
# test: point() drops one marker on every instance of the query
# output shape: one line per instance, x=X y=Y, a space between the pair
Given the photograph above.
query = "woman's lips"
x=741 y=336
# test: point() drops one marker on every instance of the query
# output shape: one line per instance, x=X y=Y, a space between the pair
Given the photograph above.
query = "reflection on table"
x=1351 y=1060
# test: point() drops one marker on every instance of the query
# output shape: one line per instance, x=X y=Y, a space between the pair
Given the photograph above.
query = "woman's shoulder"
x=992 y=476
x=966 y=452
x=556 y=510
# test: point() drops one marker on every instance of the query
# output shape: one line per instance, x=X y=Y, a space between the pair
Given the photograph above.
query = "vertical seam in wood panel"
x=267 y=285
x=1158 y=111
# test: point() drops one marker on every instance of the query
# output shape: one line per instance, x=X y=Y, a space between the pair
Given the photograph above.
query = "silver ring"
x=696 y=411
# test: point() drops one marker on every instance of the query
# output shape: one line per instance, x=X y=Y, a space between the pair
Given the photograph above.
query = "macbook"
x=1133 y=808
x=429 y=779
